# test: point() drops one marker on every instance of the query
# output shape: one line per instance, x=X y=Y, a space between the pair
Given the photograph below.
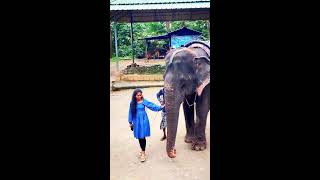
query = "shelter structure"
x=130 y=11
x=175 y=39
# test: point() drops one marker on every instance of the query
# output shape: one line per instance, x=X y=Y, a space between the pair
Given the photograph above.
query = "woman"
x=138 y=119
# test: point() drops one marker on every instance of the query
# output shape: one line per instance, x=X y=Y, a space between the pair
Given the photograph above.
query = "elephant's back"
x=204 y=43
x=199 y=47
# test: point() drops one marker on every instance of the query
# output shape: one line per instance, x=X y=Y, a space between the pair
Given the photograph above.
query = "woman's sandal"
x=143 y=157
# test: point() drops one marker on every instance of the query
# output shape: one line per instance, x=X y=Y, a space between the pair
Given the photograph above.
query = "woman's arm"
x=151 y=105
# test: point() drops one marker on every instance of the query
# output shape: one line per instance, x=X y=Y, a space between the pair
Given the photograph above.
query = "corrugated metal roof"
x=180 y=32
x=159 y=10
x=158 y=4
x=115 y=2
x=185 y=30
x=160 y=15
x=157 y=37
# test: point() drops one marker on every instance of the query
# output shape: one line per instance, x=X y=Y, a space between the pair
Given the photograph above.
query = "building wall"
x=178 y=41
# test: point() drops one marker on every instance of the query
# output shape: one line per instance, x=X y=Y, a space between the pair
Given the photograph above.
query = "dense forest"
x=143 y=30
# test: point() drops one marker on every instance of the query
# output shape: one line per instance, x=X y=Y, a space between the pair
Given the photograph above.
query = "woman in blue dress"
x=138 y=119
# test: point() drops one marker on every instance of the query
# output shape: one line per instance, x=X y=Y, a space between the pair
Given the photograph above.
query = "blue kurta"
x=141 y=126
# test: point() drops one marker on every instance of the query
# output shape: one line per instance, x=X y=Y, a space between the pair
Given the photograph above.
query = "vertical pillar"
x=116 y=44
x=110 y=43
x=132 y=39
x=209 y=30
x=147 y=49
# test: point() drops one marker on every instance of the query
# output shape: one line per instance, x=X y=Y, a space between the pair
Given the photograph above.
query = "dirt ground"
x=124 y=149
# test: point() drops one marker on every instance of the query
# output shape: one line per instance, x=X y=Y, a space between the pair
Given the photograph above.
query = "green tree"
x=143 y=30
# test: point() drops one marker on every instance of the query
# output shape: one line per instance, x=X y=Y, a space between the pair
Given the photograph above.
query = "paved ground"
x=125 y=165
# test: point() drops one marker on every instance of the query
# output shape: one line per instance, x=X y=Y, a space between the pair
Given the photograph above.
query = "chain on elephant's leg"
x=190 y=125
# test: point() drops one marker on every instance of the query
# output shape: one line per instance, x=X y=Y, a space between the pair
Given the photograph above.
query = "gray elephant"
x=187 y=81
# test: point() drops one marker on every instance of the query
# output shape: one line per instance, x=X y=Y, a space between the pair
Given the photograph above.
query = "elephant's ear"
x=168 y=67
x=202 y=59
x=202 y=69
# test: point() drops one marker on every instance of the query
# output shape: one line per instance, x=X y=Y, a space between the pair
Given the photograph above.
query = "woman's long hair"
x=133 y=103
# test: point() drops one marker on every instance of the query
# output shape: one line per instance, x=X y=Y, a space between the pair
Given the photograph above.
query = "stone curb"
x=141 y=77
x=118 y=85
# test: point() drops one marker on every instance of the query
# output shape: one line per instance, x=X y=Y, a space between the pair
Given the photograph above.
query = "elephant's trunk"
x=172 y=104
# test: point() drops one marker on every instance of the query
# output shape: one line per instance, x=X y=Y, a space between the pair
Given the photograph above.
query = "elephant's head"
x=186 y=73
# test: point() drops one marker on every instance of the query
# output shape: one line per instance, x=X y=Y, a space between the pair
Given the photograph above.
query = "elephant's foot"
x=199 y=145
x=172 y=153
x=189 y=138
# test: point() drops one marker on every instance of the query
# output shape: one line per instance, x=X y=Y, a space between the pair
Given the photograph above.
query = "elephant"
x=187 y=81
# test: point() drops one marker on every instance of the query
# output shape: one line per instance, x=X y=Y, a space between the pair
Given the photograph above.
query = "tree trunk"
x=209 y=30
x=168 y=26
x=110 y=42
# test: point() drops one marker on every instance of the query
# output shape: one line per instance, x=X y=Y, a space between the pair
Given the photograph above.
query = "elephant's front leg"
x=189 y=118
x=202 y=109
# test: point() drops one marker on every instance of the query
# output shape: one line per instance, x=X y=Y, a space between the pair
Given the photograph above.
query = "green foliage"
x=143 y=30
x=200 y=25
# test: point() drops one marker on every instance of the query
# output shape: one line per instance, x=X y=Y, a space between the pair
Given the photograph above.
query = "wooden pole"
x=110 y=43
x=168 y=26
x=209 y=30
x=116 y=44
x=147 y=49
x=132 y=40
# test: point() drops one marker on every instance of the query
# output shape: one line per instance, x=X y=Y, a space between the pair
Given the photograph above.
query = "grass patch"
x=127 y=58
